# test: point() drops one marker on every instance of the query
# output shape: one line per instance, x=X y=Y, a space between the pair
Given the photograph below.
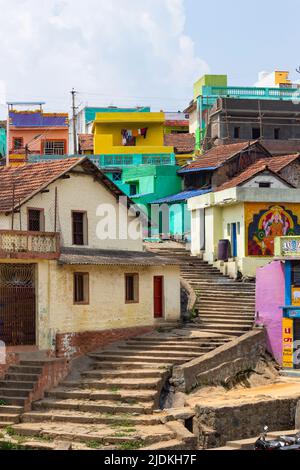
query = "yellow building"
x=249 y=211
x=130 y=133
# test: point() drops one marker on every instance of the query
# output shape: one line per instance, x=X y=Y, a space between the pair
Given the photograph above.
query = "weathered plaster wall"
x=79 y=193
x=270 y=292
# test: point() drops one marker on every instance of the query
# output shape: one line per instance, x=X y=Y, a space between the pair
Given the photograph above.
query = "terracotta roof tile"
x=253 y=170
x=217 y=155
x=177 y=123
x=86 y=142
x=182 y=143
x=29 y=179
x=281 y=161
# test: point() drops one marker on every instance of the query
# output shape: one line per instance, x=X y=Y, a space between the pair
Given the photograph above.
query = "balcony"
x=288 y=94
x=27 y=245
x=116 y=160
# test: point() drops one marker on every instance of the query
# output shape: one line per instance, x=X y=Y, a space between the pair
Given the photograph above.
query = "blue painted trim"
x=193 y=170
x=288 y=283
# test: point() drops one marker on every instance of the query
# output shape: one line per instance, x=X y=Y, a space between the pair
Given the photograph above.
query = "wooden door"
x=158 y=296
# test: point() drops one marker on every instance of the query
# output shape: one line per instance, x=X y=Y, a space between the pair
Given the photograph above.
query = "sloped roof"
x=182 y=143
x=216 y=156
x=177 y=123
x=38 y=119
x=281 y=161
x=86 y=256
x=19 y=184
x=86 y=142
x=183 y=196
x=256 y=168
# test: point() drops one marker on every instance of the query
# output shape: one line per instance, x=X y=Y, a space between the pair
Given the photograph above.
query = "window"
x=35 y=220
x=277 y=134
x=131 y=288
x=228 y=230
x=264 y=185
x=255 y=133
x=295 y=274
x=236 y=132
x=18 y=143
x=133 y=189
x=54 y=147
x=79 y=228
x=81 y=288
x=239 y=228
x=117 y=176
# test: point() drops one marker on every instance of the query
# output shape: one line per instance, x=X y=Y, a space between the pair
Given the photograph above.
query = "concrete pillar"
x=297 y=417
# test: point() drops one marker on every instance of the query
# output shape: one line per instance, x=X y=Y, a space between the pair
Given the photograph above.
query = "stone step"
x=16 y=385
x=102 y=434
x=21 y=377
x=179 y=339
x=210 y=317
x=9 y=418
x=22 y=369
x=161 y=347
x=7 y=409
x=13 y=401
x=222 y=320
x=130 y=384
x=112 y=363
x=14 y=392
x=95 y=406
x=226 y=330
x=172 y=444
x=149 y=352
x=141 y=373
x=220 y=325
x=80 y=417
x=144 y=359
x=5 y=424
x=133 y=396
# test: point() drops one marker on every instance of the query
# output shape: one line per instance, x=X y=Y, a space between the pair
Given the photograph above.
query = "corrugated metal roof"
x=194 y=170
x=183 y=196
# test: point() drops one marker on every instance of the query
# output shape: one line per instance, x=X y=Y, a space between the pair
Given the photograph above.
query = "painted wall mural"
x=264 y=222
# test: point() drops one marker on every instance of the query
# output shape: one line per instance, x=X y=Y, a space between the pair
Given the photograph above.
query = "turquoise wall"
x=2 y=142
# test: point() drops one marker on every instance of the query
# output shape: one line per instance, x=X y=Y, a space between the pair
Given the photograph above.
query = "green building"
x=2 y=142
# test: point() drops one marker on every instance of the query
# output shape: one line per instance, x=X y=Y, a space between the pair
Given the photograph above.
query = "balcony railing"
x=18 y=244
x=289 y=94
x=115 y=160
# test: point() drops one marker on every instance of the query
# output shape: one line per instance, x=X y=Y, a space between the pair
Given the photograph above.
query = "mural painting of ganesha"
x=275 y=221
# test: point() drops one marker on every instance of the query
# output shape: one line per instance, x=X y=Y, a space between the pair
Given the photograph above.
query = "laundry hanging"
x=129 y=136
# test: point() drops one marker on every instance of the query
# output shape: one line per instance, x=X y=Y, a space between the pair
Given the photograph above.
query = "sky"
x=138 y=52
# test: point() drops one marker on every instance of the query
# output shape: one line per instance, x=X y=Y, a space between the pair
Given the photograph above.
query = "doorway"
x=158 y=296
x=234 y=240
x=17 y=304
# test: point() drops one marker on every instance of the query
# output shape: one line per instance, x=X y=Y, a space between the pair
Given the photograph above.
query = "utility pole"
x=74 y=108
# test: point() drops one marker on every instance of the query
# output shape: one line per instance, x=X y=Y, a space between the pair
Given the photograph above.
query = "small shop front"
x=278 y=302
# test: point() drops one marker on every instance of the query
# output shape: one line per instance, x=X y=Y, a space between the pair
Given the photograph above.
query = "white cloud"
x=116 y=49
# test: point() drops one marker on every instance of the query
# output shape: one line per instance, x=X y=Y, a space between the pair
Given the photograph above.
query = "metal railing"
x=114 y=160
x=23 y=244
x=253 y=92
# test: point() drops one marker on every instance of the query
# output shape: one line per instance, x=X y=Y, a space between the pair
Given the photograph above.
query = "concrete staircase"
x=224 y=305
x=115 y=403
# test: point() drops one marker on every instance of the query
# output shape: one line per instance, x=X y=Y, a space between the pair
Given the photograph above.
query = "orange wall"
x=36 y=145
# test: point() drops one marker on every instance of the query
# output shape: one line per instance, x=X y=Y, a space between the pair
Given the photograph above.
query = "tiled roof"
x=216 y=156
x=21 y=183
x=253 y=170
x=278 y=163
x=177 y=123
x=86 y=142
x=38 y=119
x=87 y=256
x=182 y=143
x=183 y=196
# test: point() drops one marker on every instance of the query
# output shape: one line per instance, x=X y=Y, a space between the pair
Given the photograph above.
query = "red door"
x=158 y=296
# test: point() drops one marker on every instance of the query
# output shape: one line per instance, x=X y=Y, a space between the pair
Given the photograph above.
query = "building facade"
x=67 y=285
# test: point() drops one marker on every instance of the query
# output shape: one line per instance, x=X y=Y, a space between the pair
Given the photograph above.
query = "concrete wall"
x=222 y=364
x=270 y=295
